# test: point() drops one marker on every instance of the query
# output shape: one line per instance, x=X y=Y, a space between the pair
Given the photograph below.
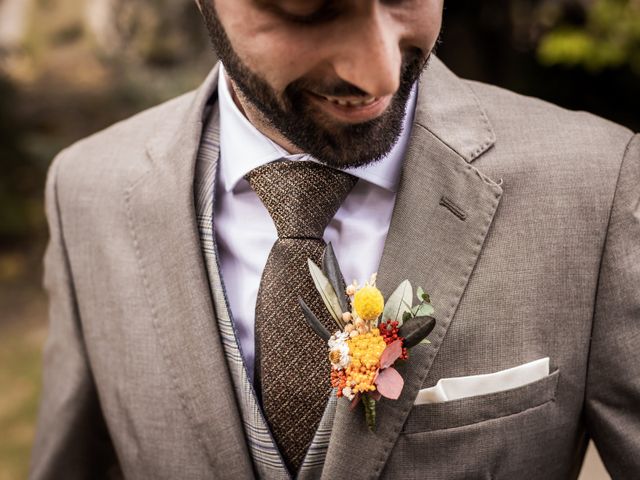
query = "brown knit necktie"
x=291 y=370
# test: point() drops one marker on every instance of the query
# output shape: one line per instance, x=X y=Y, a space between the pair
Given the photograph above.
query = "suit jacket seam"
x=154 y=316
x=602 y=254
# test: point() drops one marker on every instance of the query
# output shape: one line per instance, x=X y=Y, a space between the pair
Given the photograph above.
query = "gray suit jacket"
x=520 y=218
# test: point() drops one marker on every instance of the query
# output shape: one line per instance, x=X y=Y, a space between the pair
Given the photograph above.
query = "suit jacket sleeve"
x=613 y=382
x=71 y=438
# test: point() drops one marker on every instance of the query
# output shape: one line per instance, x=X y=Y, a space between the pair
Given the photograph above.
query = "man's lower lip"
x=352 y=114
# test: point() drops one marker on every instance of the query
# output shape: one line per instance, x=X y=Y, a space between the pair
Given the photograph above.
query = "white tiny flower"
x=347 y=392
x=337 y=339
x=339 y=351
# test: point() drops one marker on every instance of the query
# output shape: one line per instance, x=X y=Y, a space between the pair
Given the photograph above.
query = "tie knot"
x=301 y=197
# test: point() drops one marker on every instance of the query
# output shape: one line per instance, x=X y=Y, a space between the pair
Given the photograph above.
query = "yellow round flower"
x=368 y=303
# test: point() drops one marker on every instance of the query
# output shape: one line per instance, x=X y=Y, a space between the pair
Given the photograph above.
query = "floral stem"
x=369 y=412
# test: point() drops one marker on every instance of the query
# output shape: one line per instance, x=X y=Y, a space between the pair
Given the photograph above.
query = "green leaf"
x=426 y=298
x=425 y=341
x=406 y=316
x=328 y=294
x=420 y=294
x=313 y=321
x=423 y=310
x=415 y=330
x=332 y=270
x=396 y=305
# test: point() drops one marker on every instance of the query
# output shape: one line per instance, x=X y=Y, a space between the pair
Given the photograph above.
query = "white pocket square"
x=461 y=387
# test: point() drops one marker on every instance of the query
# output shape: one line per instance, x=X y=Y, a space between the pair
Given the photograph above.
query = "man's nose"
x=370 y=57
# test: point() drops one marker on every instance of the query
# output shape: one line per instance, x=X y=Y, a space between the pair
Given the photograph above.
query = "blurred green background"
x=71 y=67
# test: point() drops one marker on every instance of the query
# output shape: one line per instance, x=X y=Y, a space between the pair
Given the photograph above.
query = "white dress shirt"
x=245 y=232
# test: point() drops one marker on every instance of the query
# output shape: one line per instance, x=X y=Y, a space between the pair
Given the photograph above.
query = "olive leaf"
x=332 y=270
x=416 y=329
x=328 y=294
x=396 y=305
x=313 y=321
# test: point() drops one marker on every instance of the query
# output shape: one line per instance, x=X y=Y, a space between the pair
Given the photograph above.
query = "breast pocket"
x=502 y=435
x=480 y=408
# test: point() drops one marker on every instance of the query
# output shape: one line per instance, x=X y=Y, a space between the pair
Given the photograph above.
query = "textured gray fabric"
x=545 y=261
x=291 y=370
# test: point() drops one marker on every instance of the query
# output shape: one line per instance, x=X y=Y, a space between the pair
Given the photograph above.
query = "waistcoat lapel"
x=264 y=453
x=163 y=223
x=443 y=211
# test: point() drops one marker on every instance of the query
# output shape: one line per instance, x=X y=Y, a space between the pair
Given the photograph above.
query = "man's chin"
x=349 y=151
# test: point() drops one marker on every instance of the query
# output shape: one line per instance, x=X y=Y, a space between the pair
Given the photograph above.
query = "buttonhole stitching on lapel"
x=453 y=208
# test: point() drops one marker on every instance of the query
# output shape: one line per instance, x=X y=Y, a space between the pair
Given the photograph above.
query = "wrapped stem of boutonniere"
x=373 y=333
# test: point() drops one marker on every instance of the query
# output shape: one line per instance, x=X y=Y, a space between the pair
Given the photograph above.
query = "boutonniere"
x=373 y=334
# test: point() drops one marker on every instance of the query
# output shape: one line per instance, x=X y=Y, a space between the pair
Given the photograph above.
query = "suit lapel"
x=444 y=208
x=163 y=223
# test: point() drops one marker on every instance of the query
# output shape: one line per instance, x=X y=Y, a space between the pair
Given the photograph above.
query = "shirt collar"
x=243 y=147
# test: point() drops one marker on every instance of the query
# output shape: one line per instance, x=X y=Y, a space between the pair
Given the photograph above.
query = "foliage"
x=81 y=66
x=21 y=179
x=20 y=379
x=609 y=37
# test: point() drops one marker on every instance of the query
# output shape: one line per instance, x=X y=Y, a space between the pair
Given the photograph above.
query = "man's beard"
x=303 y=124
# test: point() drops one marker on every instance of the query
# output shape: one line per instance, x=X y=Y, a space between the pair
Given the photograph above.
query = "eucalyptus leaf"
x=416 y=329
x=397 y=303
x=389 y=383
x=425 y=341
x=422 y=310
x=332 y=270
x=328 y=294
x=420 y=293
x=313 y=321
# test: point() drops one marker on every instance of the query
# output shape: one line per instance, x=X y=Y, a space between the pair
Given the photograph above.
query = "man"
x=521 y=219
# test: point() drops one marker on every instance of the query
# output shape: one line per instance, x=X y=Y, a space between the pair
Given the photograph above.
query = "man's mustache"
x=412 y=60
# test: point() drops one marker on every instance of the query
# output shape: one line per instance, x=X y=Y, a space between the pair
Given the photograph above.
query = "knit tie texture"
x=292 y=373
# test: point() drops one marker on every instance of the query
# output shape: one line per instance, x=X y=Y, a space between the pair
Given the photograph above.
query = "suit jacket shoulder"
x=528 y=124
x=118 y=153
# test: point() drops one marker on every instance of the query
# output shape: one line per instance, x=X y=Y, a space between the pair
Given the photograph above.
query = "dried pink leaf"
x=389 y=383
x=391 y=354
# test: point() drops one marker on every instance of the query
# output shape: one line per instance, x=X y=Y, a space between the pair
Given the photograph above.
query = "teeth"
x=351 y=103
